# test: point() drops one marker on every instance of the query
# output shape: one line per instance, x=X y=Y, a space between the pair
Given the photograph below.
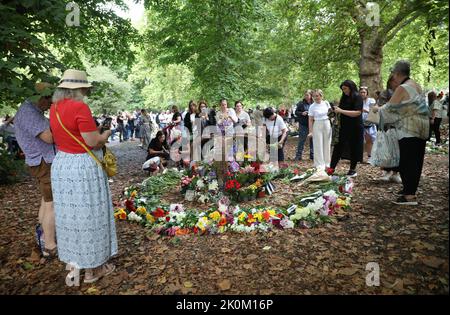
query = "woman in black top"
x=159 y=147
x=351 y=132
x=189 y=119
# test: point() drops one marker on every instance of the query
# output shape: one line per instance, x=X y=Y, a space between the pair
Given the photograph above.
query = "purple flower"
x=234 y=166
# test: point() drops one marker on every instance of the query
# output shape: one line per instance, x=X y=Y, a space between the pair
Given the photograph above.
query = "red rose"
x=158 y=213
x=222 y=221
x=129 y=204
x=341 y=189
x=296 y=171
x=330 y=171
x=195 y=230
x=261 y=194
x=280 y=215
x=167 y=219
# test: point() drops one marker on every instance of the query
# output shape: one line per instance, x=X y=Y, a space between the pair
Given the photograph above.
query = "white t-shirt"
x=244 y=118
x=275 y=127
x=368 y=103
x=319 y=111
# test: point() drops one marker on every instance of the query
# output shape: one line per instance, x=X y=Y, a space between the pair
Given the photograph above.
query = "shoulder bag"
x=109 y=163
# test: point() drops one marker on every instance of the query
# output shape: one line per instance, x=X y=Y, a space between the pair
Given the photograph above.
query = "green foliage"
x=110 y=93
x=31 y=29
x=213 y=38
x=11 y=169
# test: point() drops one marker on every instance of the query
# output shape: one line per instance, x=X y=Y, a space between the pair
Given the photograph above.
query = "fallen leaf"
x=252 y=257
x=433 y=262
x=266 y=247
x=348 y=271
x=188 y=284
x=266 y=291
x=161 y=280
x=224 y=285
x=92 y=291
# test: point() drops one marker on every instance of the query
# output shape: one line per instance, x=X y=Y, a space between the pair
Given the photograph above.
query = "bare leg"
x=41 y=211
x=48 y=225
x=368 y=144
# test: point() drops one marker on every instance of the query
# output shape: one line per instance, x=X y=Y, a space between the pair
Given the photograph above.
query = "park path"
x=409 y=244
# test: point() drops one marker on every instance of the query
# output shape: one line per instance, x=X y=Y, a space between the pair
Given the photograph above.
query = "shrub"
x=11 y=169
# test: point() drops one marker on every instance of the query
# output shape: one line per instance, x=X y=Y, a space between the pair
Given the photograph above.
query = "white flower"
x=300 y=213
x=214 y=185
x=317 y=204
x=331 y=194
x=203 y=198
x=222 y=208
x=287 y=224
x=134 y=217
x=178 y=216
x=176 y=207
x=200 y=184
x=323 y=211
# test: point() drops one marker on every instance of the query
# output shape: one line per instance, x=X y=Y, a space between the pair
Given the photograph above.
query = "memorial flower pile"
x=306 y=211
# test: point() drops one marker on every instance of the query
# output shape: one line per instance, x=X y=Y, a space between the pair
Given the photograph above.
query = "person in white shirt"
x=370 y=129
x=321 y=131
x=276 y=131
x=244 y=122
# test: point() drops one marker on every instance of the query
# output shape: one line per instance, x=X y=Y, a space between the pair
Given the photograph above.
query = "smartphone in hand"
x=106 y=124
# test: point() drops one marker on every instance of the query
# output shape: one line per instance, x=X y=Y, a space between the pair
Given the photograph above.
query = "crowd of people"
x=76 y=220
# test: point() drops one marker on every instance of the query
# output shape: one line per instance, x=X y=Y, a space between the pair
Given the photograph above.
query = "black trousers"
x=337 y=154
x=435 y=128
x=412 y=152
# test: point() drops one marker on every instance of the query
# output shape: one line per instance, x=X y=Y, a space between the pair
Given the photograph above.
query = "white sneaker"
x=396 y=178
x=386 y=176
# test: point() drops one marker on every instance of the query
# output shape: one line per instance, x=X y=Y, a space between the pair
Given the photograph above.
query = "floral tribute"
x=242 y=182
x=306 y=211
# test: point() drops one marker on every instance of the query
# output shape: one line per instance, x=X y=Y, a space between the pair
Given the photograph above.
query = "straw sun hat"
x=74 y=79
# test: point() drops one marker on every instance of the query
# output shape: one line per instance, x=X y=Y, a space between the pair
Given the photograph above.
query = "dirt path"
x=410 y=245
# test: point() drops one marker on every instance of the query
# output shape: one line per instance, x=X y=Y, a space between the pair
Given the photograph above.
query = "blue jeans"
x=302 y=135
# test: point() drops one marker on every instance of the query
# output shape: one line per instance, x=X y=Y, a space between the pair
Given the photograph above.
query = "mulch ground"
x=409 y=244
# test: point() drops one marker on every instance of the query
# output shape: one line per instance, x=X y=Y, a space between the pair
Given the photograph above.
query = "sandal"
x=50 y=253
x=105 y=270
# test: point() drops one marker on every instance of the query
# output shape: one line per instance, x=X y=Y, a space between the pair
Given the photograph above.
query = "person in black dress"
x=351 y=131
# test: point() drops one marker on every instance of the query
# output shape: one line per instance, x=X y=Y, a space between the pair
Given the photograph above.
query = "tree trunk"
x=371 y=52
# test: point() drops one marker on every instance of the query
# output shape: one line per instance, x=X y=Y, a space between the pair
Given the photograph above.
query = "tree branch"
x=400 y=26
x=402 y=14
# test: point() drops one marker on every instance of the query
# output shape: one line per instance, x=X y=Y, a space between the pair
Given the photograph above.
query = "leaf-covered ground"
x=410 y=244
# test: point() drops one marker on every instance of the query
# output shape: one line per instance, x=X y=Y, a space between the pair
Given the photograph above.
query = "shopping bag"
x=386 y=150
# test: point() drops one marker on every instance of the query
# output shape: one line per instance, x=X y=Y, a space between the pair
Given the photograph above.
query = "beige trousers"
x=322 y=143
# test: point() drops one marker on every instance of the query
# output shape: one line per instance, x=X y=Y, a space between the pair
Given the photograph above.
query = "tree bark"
x=371 y=52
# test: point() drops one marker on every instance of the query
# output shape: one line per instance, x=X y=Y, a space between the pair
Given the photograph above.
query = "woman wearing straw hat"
x=85 y=229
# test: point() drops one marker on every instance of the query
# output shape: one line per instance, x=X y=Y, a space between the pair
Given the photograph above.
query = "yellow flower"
x=202 y=223
x=242 y=216
x=258 y=183
x=341 y=203
x=271 y=212
x=258 y=216
x=215 y=215
x=247 y=156
x=239 y=156
x=141 y=210
x=150 y=218
x=133 y=194
x=120 y=214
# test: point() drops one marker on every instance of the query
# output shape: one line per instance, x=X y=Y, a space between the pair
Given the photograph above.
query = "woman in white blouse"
x=321 y=130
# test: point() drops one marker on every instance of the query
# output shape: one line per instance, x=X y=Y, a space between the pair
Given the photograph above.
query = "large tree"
x=357 y=30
